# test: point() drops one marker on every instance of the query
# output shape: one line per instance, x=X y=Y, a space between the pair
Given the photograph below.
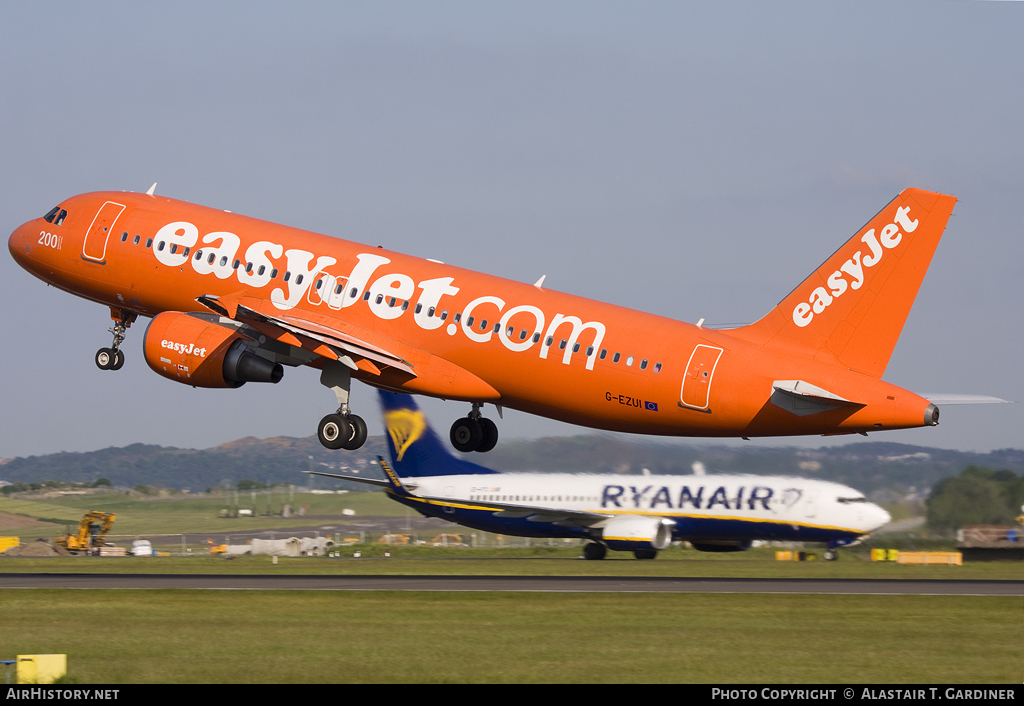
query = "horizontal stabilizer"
x=802 y=398
x=946 y=398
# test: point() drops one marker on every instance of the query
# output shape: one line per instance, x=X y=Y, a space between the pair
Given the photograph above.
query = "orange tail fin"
x=851 y=310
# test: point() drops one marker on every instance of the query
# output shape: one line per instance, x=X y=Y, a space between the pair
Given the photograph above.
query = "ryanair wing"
x=532 y=513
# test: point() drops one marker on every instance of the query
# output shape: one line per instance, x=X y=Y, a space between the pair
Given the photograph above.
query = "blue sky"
x=695 y=160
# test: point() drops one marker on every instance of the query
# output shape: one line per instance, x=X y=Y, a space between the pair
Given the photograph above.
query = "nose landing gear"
x=474 y=432
x=113 y=358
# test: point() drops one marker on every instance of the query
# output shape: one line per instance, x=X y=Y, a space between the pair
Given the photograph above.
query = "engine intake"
x=198 y=352
x=632 y=532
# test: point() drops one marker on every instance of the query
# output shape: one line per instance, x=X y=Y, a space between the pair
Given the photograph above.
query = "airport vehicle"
x=234 y=299
x=642 y=514
x=92 y=532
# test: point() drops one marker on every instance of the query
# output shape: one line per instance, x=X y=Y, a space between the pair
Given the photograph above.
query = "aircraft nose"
x=877 y=517
x=20 y=243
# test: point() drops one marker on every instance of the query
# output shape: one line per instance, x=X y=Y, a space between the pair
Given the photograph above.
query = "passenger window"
x=337 y=290
x=235 y=265
x=615 y=358
x=576 y=348
x=51 y=214
x=657 y=367
x=287 y=275
x=136 y=241
x=469 y=321
x=391 y=302
x=273 y=273
x=457 y=317
x=60 y=218
x=124 y=237
x=629 y=362
x=380 y=298
x=261 y=270
x=149 y=242
x=444 y=315
x=536 y=337
x=551 y=339
x=319 y=283
x=298 y=280
x=523 y=334
x=603 y=353
x=353 y=293
x=509 y=331
x=174 y=248
x=366 y=295
x=483 y=325
x=405 y=305
x=248 y=268
x=643 y=364
x=223 y=260
x=561 y=346
x=430 y=311
x=590 y=351
x=185 y=252
x=160 y=245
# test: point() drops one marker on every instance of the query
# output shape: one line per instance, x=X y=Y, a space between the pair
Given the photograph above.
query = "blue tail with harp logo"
x=416 y=450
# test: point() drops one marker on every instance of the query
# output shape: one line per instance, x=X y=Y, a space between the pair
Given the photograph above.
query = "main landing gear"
x=474 y=433
x=113 y=358
x=341 y=430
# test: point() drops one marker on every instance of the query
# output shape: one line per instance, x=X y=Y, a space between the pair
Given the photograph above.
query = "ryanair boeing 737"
x=642 y=514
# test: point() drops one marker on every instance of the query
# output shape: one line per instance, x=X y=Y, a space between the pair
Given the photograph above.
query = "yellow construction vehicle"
x=92 y=531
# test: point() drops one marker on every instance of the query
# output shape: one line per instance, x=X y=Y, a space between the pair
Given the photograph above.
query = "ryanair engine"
x=196 y=351
x=633 y=532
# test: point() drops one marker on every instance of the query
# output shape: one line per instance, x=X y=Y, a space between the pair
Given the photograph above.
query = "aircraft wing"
x=319 y=337
x=532 y=513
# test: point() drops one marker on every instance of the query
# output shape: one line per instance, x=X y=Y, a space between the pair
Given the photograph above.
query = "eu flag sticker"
x=651 y=406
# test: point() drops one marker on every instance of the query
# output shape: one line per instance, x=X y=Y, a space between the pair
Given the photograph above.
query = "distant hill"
x=867 y=466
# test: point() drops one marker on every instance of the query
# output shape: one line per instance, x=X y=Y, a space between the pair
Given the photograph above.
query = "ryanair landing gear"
x=594 y=551
x=112 y=358
x=341 y=430
x=474 y=433
x=831 y=554
x=645 y=553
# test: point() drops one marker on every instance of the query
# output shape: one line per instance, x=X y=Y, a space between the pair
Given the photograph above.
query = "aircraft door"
x=697 y=378
x=94 y=247
x=811 y=504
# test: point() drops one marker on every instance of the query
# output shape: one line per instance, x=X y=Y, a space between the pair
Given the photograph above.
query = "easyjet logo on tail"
x=856 y=267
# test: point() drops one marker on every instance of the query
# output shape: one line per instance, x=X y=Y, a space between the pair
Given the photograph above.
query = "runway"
x=547 y=584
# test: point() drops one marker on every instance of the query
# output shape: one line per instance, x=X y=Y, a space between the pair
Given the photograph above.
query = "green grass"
x=166 y=636
x=181 y=514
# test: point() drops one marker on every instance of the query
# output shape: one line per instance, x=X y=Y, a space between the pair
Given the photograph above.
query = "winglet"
x=151 y=190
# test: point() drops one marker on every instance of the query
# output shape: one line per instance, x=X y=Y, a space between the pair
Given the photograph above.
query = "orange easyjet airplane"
x=233 y=299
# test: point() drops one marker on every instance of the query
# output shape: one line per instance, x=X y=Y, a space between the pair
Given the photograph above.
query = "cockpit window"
x=845 y=501
x=60 y=218
x=51 y=214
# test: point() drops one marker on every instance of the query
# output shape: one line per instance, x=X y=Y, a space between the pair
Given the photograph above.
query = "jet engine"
x=199 y=352
x=633 y=532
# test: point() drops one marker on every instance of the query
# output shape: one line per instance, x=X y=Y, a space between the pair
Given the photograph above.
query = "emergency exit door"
x=95 y=245
x=697 y=379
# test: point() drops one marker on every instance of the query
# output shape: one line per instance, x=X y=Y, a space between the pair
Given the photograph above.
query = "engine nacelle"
x=198 y=352
x=739 y=545
x=632 y=532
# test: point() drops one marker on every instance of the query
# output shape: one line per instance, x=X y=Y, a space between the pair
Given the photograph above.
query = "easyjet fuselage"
x=535 y=350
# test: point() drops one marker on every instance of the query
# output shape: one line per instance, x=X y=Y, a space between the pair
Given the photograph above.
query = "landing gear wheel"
x=594 y=551
x=466 y=434
x=490 y=435
x=358 y=437
x=118 y=360
x=104 y=358
x=645 y=553
x=334 y=431
x=831 y=555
